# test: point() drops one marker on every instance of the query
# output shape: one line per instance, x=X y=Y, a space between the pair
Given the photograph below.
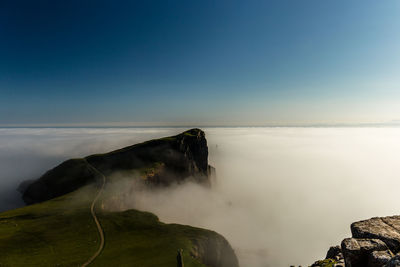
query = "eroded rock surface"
x=356 y=251
x=380 y=258
x=386 y=229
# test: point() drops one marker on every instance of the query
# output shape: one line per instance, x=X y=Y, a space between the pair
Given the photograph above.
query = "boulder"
x=334 y=253
x=386 y=229
x=356 y=251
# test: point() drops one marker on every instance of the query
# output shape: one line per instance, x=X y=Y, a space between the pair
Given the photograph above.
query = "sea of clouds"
x=282 y=195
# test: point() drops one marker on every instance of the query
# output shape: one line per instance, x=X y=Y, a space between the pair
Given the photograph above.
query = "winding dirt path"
x=96 y=220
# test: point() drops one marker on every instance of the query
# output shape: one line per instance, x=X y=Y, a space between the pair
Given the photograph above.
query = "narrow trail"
x=99 y=228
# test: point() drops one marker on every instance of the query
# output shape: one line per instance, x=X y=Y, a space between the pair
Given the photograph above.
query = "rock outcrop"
x=334 y=253
x=386 y=229
x=160 y=162
x=374 y=243
x=356 y=251
x=216 y=252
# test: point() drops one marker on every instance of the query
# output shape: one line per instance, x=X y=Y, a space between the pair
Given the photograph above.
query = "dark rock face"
x=334 y=253
x=216 y=252
x=182 y=156
x=356 y=251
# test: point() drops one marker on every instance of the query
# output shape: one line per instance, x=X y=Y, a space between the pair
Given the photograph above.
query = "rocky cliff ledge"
x=374 y=243
x=159 y=162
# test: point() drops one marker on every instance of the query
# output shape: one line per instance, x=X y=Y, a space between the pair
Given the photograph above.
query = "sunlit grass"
x=61 y=232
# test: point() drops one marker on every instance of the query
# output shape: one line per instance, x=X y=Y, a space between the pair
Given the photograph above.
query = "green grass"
x=189 y=134
x=139 y=239
x=48 y=234
x=326 y=263
x=61 y=232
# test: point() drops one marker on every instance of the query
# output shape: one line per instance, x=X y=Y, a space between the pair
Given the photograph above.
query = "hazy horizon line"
x=150 y=125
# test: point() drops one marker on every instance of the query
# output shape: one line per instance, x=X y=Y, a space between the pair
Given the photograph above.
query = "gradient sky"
x=199 y=62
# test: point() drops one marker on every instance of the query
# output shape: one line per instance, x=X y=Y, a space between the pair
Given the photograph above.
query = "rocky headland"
x=56 y=228
x=159 y=162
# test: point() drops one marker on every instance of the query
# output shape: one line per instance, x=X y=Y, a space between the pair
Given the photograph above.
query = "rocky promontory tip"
x=374 y=243
x=160 y=162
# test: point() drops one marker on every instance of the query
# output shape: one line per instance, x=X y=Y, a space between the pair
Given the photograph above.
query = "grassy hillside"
x=61 y=232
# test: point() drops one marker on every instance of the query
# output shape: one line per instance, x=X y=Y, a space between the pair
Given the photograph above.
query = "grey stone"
x=334 y=253
x=356 y=251
x=379 y=258
x=386 y=229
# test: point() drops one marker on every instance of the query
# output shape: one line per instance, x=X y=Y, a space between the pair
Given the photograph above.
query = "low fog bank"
x=282 y=195
x=299 y=189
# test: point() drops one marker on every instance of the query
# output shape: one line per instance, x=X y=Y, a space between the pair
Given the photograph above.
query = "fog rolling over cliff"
x=282 y=195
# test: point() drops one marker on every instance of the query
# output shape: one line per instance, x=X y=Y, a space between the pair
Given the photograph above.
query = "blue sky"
x=199 y=62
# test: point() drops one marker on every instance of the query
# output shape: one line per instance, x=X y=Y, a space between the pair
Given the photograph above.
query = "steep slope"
x=60 y=231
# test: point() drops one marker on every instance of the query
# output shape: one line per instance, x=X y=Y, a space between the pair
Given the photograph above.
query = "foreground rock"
x=159 y=162
x=375 y=243
x=386 y=229
x=356 y=251
x=334 y=253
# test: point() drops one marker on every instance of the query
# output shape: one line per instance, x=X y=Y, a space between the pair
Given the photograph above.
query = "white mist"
x=282 y=196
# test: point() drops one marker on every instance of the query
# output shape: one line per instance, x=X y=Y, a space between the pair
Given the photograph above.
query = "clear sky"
x=199 y=62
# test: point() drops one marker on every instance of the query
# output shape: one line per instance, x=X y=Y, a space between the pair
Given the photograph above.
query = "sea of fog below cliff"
x=282 y=195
